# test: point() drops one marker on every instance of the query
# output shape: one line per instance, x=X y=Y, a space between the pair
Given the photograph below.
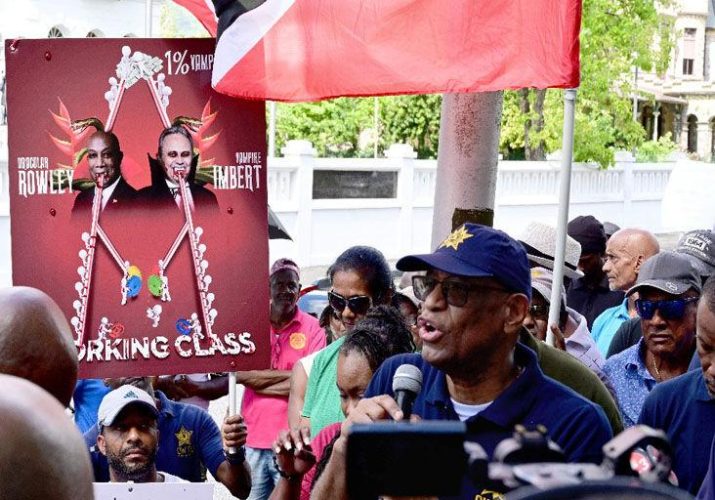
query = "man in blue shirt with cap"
x=476 y=292
x=684 y=407
x=668 y=288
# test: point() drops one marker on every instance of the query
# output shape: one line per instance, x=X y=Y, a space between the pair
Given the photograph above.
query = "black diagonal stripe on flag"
x=228 y=11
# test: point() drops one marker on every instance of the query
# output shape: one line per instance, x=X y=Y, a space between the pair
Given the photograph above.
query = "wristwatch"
x=237 y=457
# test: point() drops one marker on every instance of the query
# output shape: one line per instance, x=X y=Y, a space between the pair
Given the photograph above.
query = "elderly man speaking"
x=476 y=292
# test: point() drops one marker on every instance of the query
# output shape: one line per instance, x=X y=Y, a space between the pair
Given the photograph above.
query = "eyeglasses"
x=669 y=309
x=358 y=304
x=455 y=292
x=538 y=311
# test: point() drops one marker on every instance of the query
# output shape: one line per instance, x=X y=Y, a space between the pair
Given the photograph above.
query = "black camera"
x=433 y=459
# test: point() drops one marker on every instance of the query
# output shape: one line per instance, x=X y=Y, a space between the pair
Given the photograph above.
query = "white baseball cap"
x=118 y=399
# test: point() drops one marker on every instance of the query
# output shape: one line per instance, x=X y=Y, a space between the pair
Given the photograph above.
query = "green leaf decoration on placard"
x=205 y=175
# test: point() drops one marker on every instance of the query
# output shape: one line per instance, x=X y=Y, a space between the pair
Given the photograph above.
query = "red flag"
x=305 y=50
x=203 y=10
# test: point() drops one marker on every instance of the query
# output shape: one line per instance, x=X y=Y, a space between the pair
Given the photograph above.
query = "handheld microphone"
x=406 y=385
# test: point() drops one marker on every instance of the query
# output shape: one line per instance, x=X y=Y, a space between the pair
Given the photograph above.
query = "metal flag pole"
x=271 y=129
x=147 y=18
x=563 y=216
x=232 y=400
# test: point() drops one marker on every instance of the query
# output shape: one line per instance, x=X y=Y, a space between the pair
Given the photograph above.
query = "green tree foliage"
x=412 y=120
x=177 y=22
x=335 y=126
x=615 y=36
x=652 y=151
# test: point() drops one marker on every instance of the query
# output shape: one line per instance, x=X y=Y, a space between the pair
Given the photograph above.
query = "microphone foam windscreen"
x=407 y=378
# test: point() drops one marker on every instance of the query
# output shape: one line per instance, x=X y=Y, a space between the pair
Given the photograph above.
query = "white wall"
x=628 y=194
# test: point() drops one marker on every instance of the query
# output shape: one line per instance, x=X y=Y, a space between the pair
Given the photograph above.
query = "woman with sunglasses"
x=360 y=279
x=668 y=288
x=380 y=335
x=334 y=329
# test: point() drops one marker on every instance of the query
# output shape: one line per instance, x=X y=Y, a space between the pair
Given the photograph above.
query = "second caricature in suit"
x=175 y=160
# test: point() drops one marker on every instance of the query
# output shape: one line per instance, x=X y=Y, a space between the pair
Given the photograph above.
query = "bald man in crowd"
x=42 y=453
x=36 y=341
x=626 y=251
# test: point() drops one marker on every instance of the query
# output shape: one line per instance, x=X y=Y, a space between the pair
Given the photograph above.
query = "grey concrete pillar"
x=468 y=156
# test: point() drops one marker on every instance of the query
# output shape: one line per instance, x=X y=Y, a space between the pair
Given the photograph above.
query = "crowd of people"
x=634 y=344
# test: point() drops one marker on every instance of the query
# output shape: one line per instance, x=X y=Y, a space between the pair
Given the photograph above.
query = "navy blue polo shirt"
x=578 y=426
x=189 y=443
x=683 y=409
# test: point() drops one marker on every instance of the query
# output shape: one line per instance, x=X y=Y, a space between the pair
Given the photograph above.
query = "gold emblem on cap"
x=456 y=238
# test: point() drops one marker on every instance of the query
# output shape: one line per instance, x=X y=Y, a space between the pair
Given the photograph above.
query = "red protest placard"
x=138 y=202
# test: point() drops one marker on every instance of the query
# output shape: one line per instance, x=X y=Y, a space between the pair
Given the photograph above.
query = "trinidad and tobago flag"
x=306 y=50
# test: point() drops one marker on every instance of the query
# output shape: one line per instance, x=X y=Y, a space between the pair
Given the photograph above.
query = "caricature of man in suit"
x=175 y=161
x=105 y=161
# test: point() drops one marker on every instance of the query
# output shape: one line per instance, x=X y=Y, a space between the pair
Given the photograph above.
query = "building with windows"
x=60 y=19
x=682 y=101
x=79 y=19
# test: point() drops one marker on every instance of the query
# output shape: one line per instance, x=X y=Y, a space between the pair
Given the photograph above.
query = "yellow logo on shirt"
x=297 y=340
x=184 y=448
x=489 y=495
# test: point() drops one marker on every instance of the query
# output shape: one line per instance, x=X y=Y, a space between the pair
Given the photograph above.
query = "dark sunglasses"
x=358 y=304
x=669 y=309
x=455 y=292
x=538 y=311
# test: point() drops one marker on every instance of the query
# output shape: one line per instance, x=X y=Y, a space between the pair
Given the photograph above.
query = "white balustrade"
x=627 y=193
x=630 y=193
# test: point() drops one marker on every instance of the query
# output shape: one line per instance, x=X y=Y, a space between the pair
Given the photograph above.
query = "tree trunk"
x=538 y=151
x=524 y=107
x=468 y=157
x=534 y=149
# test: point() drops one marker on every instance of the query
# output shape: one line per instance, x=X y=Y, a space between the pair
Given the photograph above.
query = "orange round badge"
x=297 y=340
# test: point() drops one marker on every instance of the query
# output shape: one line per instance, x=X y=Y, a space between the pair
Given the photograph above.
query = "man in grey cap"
x=699 y=247
x=685 y=407
x=129 y=436
x=668 y=288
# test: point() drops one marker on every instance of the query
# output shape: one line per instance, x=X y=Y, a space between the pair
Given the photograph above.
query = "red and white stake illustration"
x=86 y=255
x=131 y=69
x=203 y=280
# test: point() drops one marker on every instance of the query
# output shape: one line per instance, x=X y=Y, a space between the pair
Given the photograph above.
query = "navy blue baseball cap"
x=477 y=251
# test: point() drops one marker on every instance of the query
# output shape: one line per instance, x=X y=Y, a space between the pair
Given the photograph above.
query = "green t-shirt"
x=564 y=368
x=322 y=398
